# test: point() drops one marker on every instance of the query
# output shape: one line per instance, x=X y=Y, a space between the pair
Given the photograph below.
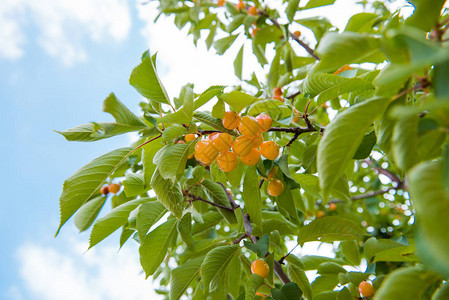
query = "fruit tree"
x=340 y=135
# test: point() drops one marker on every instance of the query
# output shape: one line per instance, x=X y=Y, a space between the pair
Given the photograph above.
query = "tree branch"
x=372 y=194
x=195 y=198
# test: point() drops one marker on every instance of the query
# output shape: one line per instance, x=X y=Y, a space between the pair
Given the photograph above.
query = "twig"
x=281 y=261
x=385 y=172
x=372 y=194
x=261 y=182
x=195 y=198
x=237 y=240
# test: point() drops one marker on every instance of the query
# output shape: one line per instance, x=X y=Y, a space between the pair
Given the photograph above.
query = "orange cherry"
x=272 y=173
x=342 y=69
x=260 y=268
x=265 y=122
x=275 y=187
x=279 y=98
x=252 y=158
x=104 y=190
x=240 y=5
x=231 y=120
x=227 y=161
x=242 y=145
x=190 y=137
x=269 y=150
x=114 y=188
x=297 y=33
x=221 y=2
x=205 y=152
x=277 y=91
x=249 y=126
x=252 y=11
x=257 y=140
x=332 y=206
x=366 y=289
x=319 y=214
x=222 y=141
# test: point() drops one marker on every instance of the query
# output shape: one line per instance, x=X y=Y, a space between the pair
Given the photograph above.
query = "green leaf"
x=238 y=63
x=154 y=247
x=125 y=235
x=183 y=115
x=207 y=95
x=291 y=9
x=324 y=283
x=336 y=50
x=366 y=146
x=182 y=276
x=260 y=247
x=173 y=131
x=134 y=184
x=96 y=131
x=351 y=252
x=327 y=86
x=86 y=215
x=442 y=293
x=216 y=193
x=275 y=71
x=405 y=142
x=120 y=112
x=237 y=100
x=431 y=201
x=223 y=44
x=406 y=283
x=312 y=262
x=373 y=246
x=402 y=253
x=215 y=123
x=330 y=268
x=290 y=291
x=342 y=139
x=362 y=22
x=148 y=153
x=219 y=109
x=185 y=229
x=167 y=193
x=425 y=16
x=439 y=80
x=149 y=213
x=251 y=286
x=85 y=182
x=215 y=265
x=210 y=219
x=171 y=159
x=146 y=81
x=297 y=275
x=234 y=276
x=330 y=229
x=251 y=196
x=115 y=219
x=317 y=3
x=263 y=106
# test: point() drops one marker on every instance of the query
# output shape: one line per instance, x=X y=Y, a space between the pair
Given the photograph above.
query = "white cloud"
x=61 y=26
x=71 y=273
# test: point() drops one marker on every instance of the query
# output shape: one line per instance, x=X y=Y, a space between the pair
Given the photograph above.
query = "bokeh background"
x=58 y=61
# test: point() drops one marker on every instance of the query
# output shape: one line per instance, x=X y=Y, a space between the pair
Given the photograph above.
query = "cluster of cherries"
x=111 y=188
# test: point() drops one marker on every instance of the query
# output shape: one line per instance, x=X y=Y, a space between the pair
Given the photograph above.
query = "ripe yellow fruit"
x=332 y=206
x=221 y=2
x=269 y=150
x=319 y=214
x=242 y=145
x=104 y=190
x=252 y=11
x=252 y=158
x=114 y=188
x=257 y=140
x=277 y=91
x=275 y=187
x=366 y=289
x=231 y=120
x=205 y=152
x=249 y=126
x=265 y=122
x=260 y=268
x=272 y=173
x=227 y=161
x=222 y=141
x=240 y=5
x=190 y=137
x=297 y=33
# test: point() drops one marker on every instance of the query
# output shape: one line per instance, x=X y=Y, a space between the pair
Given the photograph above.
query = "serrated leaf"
x=149 y=213
x=366 y=146
x=330 y=268
x=134 y=184
x=342 y=139
x=219 y=109
x=291 y=9
x=234 y=276
x=238 y=63
x=86 y=215
x=207 y=95
x=85 y=182
x=431 y=201
x=167 y=193
x=185 y=229
x=115 y=219
x=362 y=22
x=262 y=106
x=406 y=283
x=402 y=253
x=146 y=81
x=251 y=196
x=215 y=264
x=173 y=131
x=312 y=262
x=317 y=3
x=183 y=115
x=328 y=86
x=154 y=247
x=297 y=275
x=275 y=70
x=373 y=246
x=329 y=229
x=218 y=196
x=351 y=252
x=92 y=132
x=120 y=112
x=182 y=276
x=125 y=235
x=237 y=100
x=251 y=286
x=171 y=159
x=405 y=142
x=215 y=123
x=223 y=44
